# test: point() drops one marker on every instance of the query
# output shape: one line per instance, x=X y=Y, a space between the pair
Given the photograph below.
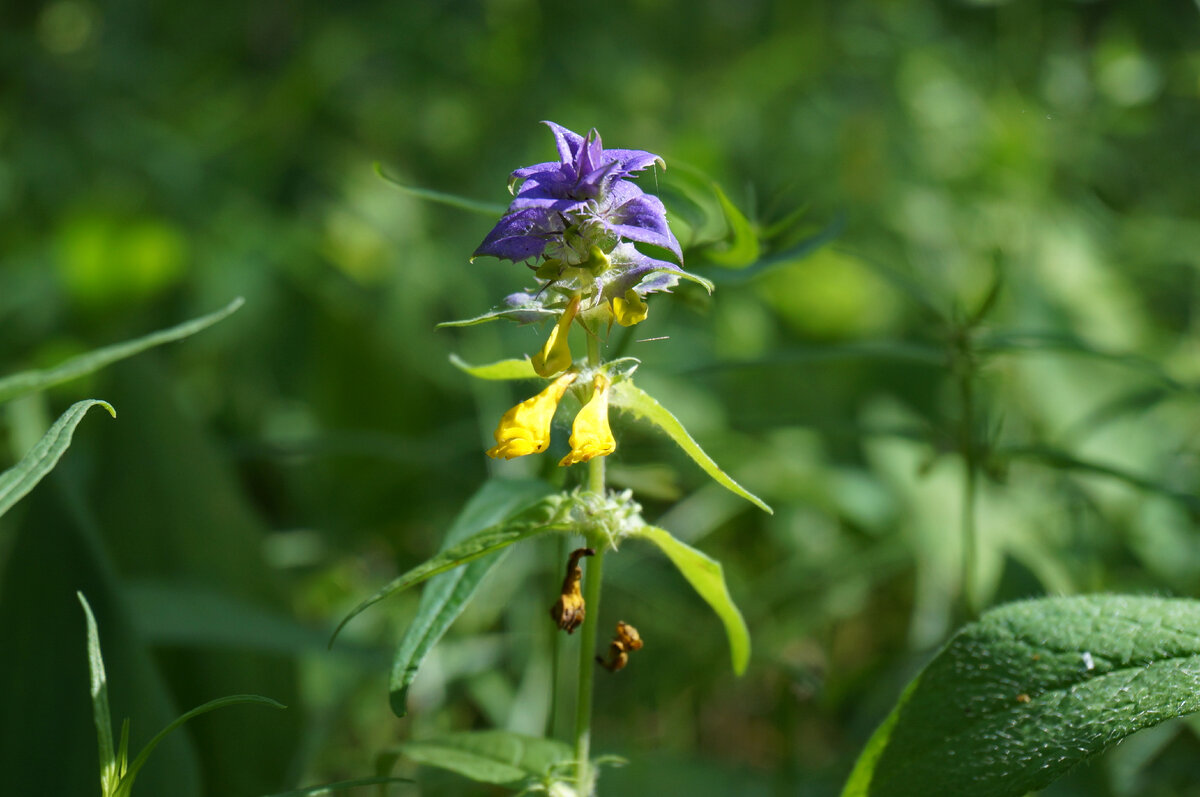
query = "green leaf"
x=707 y=578
x=627 y=396
x=462 y=203
x=31 y=381
x=503 y=369
x=782 y=257
x=1032 y=689
x=491 y=756
x=125 y=787
x=540 y=518
x=522 y=315
x=330 y=788
x=18 y=480
x=109 y=771
x=742 y=248
x=446 y=595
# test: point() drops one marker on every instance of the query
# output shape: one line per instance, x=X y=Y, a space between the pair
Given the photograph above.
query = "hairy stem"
x=587 y=642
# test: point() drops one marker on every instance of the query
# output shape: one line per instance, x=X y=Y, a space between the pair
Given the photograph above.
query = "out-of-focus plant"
x=42 y=456
x=580 y=224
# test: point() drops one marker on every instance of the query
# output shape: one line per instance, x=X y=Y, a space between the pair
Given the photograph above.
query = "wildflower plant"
x=597 y=249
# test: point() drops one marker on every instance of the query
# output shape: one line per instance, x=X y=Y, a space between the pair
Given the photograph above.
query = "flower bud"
x=555 y=356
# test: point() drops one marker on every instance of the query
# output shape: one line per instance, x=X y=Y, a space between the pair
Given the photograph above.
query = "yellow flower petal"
x=525 y=429
x=590 y=433
x=555 y=356
x=630 y=310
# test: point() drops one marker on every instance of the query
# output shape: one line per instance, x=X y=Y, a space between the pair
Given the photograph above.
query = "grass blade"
x=126 y=784
x=25 y=382
x=109 y=774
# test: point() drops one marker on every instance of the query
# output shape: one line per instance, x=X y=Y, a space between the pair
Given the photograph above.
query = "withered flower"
x=569 y=610
x=626 y=640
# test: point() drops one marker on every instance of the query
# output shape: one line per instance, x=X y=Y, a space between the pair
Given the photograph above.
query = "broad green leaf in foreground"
x=447 y=594
x=31 y=381
x=707 y=578
x=1032 y=689
x=491 y=756
x=18 y=480
x=627 y=396
x=516 y=368
x=540 y=518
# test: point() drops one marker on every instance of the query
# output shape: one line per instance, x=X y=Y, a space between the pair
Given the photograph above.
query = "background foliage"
x=158 y=160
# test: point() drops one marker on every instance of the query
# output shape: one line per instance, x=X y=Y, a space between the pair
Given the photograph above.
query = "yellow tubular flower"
x=630 y=310
x=590 y=435
x=525 y=429
x=555 y=356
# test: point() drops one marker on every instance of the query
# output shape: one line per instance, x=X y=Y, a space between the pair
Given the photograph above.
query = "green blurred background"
x=157 y=160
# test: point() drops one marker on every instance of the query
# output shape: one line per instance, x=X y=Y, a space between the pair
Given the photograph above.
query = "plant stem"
x=587 y=669
x=587 y=641
x=970 y=473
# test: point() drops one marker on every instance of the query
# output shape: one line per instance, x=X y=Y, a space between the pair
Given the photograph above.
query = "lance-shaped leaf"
x=1032 y=689
x=446 y=595
x=522 y=315
x=627 y=396
x=491 y=756
x=500 y=370
x=18 y=480
x=31 y=381
x=708 y=579
x=542 y=517
x=491 y=209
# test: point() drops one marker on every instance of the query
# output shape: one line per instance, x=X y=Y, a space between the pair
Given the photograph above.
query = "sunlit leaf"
x=18 y=480
x=504 y=369
x=446 y=595
x=1032 y=689
x=782 y=257
x=491 y=756
x=540 y=518
x=708 y=579
x=626 y=396
x=522 y=315
x=25 y=382
x=742 y=247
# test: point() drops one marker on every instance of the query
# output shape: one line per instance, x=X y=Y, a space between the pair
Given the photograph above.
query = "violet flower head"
x=561 y=209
